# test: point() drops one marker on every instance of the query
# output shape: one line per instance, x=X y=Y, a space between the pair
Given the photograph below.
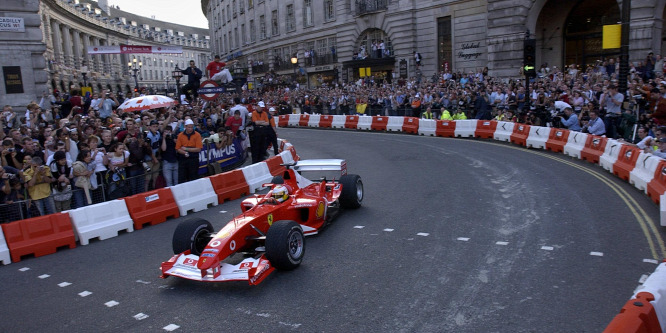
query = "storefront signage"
x=470 y=51
x=13 y=79
x=12 y=24
x=323 y=68
x=403 y=68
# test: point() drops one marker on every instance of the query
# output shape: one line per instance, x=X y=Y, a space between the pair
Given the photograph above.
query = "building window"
x=307 y=13
x=243 y=36
x=253 y=32
x=444 y=45
x=233 y=7
x=241 y=5
x=236 y=40
x=262 y=27
x=250 y=4
x=329 y=11
x=275 y=27
x=291 y=18
x=228 y=13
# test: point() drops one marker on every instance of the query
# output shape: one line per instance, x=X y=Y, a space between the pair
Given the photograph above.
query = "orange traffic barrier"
x=274 y=165
x=520 y=134
x=626 y=161
x=325 y=121
x=485 y=129
x=657 y=186
x=283 y=121
x=230 y=185
x=594 y=148
x=379 y=123
x=39 y=235
x=351 y=122
x=152 y=207
x=305 y=119
x=411 y=125
x=557 y=140
x=446 y=128
x=637 y=315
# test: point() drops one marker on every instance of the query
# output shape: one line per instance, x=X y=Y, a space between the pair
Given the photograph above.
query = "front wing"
x=184 y=265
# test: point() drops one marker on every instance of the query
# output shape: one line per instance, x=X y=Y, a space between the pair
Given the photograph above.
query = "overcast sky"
x=185 y=12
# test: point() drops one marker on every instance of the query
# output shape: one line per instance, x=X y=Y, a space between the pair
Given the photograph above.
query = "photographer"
x=169 y=157
x=38 y=181
x=569 y=119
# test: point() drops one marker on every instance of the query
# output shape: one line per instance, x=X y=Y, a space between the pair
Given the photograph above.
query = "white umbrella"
x=148 y=102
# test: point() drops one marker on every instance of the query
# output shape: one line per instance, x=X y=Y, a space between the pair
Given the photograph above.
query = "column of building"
x=57 y=43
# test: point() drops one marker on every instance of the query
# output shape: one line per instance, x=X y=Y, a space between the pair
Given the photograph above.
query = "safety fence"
x=42 y=235
x=646 y=310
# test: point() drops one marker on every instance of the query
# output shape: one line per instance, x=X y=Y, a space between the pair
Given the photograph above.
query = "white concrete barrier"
x=643 y=173
x=427 y=127
x=655 y=285
x=314 y=120
x=465 y=128
x=339 y=121
x=195 y=195
x=575 y=144
x=503 y=131
x=294 y=119
x=610 y=155
x=4 y=250
x=257 y=174
x=538 y=137
x=395 y=124
x=287 y=157
x=364 y=122
x=102 y=220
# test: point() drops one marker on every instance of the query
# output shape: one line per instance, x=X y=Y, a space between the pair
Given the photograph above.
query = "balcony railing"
x=369 y=6
x=321 y=60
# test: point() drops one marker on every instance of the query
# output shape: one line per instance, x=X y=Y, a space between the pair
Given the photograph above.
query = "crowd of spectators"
x=67 y=151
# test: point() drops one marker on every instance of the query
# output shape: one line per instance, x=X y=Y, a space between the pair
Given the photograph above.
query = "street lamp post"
x=135 y=68
x=177 y=75
x=294 y=61
x=84 y=72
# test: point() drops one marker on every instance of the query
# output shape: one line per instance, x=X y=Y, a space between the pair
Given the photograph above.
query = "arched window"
x=374 y=37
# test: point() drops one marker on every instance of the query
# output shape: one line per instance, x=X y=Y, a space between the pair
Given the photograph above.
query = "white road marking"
x=141 y=281
x=643 y=278
x=64 y=284
x=410 y=238
x=290 y=325
x=598 y=254
x=463 y=239
x=222 y=211
x=547 y=248
x=140 y=316
x=85 y=293
x=359 y=227
x=24 y=269
x=111 y=304
x=265 y=315
x=651 y=261
x=388 y=230
x=44 y=276
x=502 y=243
x=170 y=327
x=424 y=234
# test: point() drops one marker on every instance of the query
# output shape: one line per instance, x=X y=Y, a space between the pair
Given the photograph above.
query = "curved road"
x=455 y=235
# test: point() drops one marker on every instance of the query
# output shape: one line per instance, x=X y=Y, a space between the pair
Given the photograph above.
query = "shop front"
x=378 y=69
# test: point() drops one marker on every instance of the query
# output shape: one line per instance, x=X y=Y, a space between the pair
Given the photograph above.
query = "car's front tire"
x=193 y=235
x=285 y=245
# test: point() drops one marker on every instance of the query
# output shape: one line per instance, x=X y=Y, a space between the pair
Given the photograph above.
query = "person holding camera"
x=595 y=125
x=38 y=181
x=570 y=120
x=106 y=104
x=169 y=157
x=9 y=155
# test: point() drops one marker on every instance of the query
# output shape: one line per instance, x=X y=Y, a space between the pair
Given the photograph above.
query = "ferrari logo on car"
x=270 y=219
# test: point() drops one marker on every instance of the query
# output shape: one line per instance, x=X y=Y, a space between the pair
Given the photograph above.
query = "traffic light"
x=529 y=57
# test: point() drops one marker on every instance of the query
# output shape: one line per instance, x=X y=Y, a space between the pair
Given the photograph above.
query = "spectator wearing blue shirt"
x=571 y=122
x=595 y=126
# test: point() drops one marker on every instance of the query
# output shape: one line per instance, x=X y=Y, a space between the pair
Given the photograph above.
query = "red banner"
x=126 y=49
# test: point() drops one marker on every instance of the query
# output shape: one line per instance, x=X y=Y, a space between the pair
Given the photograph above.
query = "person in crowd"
x=570 y=120
x=61 y=170
x=612 y=102
x=271 y=132
x=169 y=157
x=38 y=182
x=188 y=144
x=427 y=114
x=595 y=125
x=194 y=75
x=260 y=133
x=82 y=170
x=153 y=140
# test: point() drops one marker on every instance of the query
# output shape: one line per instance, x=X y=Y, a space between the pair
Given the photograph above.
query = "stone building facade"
x=460 y=36
x=51 y=52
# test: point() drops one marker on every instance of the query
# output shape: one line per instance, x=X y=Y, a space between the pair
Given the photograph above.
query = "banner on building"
x=12 y=24
x=127 y=49
x=612 y=36
x=13 y=79
x=225 y=157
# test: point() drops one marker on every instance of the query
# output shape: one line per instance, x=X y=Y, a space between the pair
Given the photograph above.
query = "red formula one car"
x=269 y=233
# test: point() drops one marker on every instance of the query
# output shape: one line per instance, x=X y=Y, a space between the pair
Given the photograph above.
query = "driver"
x=280 y=193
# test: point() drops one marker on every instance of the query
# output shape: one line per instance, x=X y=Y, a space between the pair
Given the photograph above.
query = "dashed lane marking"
x=140 y=316
x=424 y=234
x=651 y=261
x=24 y=269
x=64 y=284
x=85 y=293
x=388 y=230
x=598 y=254
x=170 y=327
x=44 y=276
x=359 y=227
x=502 y=243
x=111 y=304
x=222 y=212
x=463 y=239
x=547 y=248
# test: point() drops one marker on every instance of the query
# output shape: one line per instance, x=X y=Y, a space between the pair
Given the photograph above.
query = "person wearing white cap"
x=188 y=145
x=258 y=137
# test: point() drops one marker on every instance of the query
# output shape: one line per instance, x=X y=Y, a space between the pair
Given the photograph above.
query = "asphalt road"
x=455 y=235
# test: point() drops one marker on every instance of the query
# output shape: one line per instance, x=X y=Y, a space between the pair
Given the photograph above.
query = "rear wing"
x=321 y=165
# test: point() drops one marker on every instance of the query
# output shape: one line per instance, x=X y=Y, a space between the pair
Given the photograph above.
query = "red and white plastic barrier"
x=103 y=220
x=294 y=120
x=339 y=121
x=364 y=123
x=428 y=127
x=195 y=195
x=575 y=144
x=538 y=137
x=503 y=131
x=644 y=171
x=314 y=120
x=609 y=157
x=466 y=128
x=4 y=250
x=395 y=124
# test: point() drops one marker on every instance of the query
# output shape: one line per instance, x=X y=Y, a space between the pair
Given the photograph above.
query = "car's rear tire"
x=277 y=180
x=285 y=245
x=193 y=235
x=352 y=191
